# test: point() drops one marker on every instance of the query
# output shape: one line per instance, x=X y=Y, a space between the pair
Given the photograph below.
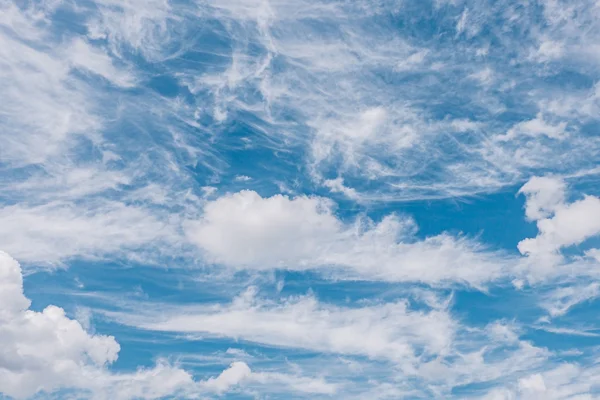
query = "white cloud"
x=144 y=26
x=462 y=22
x=568 y=331
x=337 y=186
x=559 y=301
x=44 y=110
x=242 y=178
x=418 y=352
x=83 y=55
x=245 y=230
x=387 y=331
x=354 y=136
x=298 y=384
x=47 y=351
x=42 y=350
x=548 y=50
x=74 y=185
x=164 y=380
x=544 y=195
x=412 y=61
x=533 y=383
x=560 y=224
x=146 y=383
x=535 y=128
x=484 y=76
x=368 y=103
x=594 y=254
x=54 y=232
x=465 y=125
x=237 y=372
x=487 y=355
x=566 y=381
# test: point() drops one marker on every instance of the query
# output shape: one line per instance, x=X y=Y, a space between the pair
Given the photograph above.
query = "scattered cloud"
x=305 y=323
x=245 y=230
x=567 y=381
x=559 y=301
x=560 y=224
x=53 y=233
x=46 y=352
x=122 y=128
x=427 y=348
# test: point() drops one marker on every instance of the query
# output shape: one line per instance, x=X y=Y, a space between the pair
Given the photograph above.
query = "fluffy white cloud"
x=571 y=224
x=560 y=224
x=544 y=195
x=44 y=352
x=236 y=372
x=47 y=351
x=246 y=230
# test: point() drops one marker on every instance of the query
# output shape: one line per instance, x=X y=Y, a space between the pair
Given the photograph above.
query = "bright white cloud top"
x=241 y=229
x=299 y=199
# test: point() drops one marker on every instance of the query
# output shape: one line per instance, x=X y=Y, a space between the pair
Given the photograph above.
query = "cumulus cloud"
x=46 y=351
x=42 y=350
x=245 y=230
x=337 y=186
x=560 y=224
x=237 y=372
x=544 y=195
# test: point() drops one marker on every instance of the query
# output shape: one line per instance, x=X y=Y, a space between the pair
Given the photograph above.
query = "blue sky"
x=273 y=199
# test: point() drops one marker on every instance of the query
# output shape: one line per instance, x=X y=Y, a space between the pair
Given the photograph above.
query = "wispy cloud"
x=128 y=128
x=428 y=348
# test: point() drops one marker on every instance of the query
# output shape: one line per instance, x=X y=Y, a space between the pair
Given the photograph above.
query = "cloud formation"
x=253 y=143
x=245 y=230
x=560 y=224
x=46 y=352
